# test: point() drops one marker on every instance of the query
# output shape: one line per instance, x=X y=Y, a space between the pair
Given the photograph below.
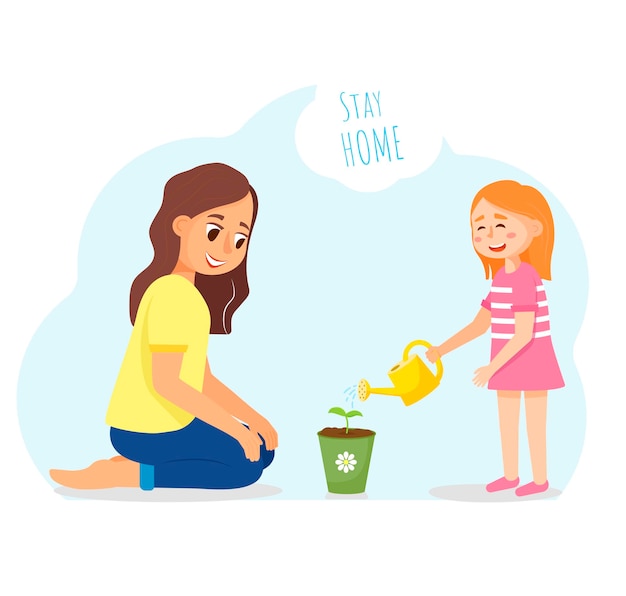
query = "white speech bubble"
x=368 y=135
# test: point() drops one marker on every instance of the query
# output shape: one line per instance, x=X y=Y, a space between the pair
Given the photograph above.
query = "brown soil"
x=340 y=433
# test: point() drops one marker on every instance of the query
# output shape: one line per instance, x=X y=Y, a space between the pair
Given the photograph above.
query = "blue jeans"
x=196 y=456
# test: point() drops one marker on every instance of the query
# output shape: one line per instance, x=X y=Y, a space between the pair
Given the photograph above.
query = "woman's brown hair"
x=190 y=193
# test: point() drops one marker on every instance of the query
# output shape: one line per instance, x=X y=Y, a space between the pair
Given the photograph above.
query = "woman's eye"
x=212 y=230
x=500 y=226
x=240 y=240
x=479 y=228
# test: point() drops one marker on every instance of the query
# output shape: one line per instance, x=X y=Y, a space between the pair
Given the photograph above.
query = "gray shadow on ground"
x=254 y=491
x=477 y=493
x=341 y=497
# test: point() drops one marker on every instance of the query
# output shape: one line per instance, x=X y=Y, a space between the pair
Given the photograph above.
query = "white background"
x=87 y=87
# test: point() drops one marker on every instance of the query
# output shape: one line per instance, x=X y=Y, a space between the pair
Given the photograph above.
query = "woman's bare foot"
x=104 y=473
x=118 y=458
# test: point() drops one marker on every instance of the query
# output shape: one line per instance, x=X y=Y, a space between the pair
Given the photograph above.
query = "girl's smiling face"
x=214 y=241
x=501 y=234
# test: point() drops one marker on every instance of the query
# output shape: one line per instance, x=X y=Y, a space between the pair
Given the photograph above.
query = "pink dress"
x=534 y=367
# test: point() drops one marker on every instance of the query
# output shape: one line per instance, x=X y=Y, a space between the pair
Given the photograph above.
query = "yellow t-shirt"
x=172 y=317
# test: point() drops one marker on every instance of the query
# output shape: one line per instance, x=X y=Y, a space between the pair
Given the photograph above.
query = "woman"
x=173 y=423
x=513 y=235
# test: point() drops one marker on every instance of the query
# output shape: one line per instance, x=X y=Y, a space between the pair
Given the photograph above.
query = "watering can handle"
x=422 y=342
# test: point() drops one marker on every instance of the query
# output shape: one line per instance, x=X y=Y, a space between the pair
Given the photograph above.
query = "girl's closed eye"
x=500 y=226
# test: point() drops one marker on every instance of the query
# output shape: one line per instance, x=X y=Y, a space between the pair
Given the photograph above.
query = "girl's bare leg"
x=508 y=414
x=104 y=473
x=536 y=403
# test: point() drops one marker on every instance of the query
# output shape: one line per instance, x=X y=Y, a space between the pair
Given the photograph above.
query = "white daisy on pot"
x=345 y=462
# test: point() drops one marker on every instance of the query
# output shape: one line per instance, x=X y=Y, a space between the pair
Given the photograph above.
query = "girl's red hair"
x=523 y=200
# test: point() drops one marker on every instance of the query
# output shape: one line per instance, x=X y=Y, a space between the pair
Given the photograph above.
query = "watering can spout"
x=364 y=390
x=412 y=379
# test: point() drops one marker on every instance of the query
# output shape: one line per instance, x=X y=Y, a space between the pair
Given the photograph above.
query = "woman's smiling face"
x=501 y=234
x=215 y=241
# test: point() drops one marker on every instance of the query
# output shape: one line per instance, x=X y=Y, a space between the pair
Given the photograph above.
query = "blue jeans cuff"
x=146 y=476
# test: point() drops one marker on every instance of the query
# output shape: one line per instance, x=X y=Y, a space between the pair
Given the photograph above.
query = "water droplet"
x=350 y=393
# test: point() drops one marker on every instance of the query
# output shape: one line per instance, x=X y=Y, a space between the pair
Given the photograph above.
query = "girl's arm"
x=166 y=381
x=477 y=327
x=524 y=325
x=237 y=407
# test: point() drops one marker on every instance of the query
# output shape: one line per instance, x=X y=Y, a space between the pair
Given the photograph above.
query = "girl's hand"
x=482 y=375
x=433 y=354
x=250 y=443
x=267 y=431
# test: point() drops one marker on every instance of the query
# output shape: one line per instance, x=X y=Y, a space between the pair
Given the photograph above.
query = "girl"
x=172 y=422
x=513 y=235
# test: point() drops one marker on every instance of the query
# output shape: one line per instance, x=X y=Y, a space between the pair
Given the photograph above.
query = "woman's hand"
x=250 y=443
x=482 y=375
x=261 y=426
x=433 y=354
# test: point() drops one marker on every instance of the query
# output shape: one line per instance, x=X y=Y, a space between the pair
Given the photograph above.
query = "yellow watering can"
x=412 y=379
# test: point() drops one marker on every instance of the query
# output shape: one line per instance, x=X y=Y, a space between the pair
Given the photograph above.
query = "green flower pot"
x=346 y=458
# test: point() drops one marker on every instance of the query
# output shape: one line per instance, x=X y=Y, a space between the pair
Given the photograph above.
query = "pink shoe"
x=531 y=489
x=501 y=484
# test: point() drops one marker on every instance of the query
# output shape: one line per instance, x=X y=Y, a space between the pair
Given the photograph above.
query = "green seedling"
x=346 y=415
